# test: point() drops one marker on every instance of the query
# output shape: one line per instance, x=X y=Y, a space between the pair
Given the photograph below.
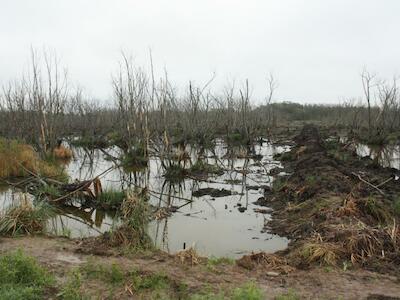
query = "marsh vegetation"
x=194 y=174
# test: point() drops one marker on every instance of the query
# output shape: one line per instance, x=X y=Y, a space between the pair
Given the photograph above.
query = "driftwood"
x=89 y=188
x=84 y=187
x=370 y=184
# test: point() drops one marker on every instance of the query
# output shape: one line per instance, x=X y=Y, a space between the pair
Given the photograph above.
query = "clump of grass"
x=278 y=184
x=311 y=180
x=110 y=274
x=249 y=291
x=208 y=296
x=135 y=215
x=284 y=156
x=189 y=255
x=154 y=281
x=71 y=290
x=175 y=173
x=237 y=138
x=61 y=152
x=201 y=167
x=134 y=159
x=212 y=262
x=25 y=218
x=290 y=295
x=50 y=191
x=332 y=144
x=111 y=199
x=321 y=252
x=18 y=159
x=396 y=206
x=375 y=208
x=90 y=142
x=21 y=277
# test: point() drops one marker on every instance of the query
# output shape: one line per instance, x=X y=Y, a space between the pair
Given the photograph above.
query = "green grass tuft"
x=71 y=290
x=249 y=291
x=110 y=274
x=21 y=277
x=290 y=295
x=212 y=262
x=111 y=199
x=155 y=281
x=175 y=173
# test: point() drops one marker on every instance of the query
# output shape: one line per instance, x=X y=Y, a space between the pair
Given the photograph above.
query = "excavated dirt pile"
x=337 y=209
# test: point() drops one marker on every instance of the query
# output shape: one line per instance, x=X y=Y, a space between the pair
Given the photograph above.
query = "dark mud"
x=336 y=208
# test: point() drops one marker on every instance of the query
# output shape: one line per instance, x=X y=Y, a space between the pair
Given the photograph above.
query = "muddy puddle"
x=216 y=222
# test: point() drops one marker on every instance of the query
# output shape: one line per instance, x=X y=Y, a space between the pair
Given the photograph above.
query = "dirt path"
x=60 y=256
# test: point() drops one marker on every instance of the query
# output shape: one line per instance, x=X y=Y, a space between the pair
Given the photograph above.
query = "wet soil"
x=61 y=256
x=337 y=208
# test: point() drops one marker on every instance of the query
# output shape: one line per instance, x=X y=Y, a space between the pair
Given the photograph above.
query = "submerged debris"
x=211 y=192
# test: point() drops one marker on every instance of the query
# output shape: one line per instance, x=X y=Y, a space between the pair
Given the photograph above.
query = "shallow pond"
x=220 y=226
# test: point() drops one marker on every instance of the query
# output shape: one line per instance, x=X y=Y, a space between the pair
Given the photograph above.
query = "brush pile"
x=338 y=209
x=25 y=218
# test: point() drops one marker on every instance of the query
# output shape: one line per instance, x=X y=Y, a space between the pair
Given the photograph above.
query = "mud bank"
x=337 y=209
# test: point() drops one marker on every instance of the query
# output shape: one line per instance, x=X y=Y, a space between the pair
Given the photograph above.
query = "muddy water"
x=221 y=226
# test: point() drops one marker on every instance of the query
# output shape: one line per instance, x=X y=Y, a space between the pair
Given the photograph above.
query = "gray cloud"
x=315 y=48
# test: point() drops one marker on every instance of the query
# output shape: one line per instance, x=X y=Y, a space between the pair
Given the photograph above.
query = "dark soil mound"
x=337 y=208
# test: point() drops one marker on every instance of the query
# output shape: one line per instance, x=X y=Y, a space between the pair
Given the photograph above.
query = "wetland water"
x=388 y=156
x=218 y=226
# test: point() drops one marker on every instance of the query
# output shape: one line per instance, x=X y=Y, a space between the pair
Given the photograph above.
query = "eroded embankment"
x=336 y=208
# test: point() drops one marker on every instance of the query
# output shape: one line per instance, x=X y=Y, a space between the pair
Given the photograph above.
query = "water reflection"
x=221 y=226
x=386 y=156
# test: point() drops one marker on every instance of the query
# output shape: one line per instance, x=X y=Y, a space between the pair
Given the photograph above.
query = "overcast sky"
x=315 y=48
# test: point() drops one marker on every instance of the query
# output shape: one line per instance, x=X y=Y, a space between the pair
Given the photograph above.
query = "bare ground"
x=60 y=256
